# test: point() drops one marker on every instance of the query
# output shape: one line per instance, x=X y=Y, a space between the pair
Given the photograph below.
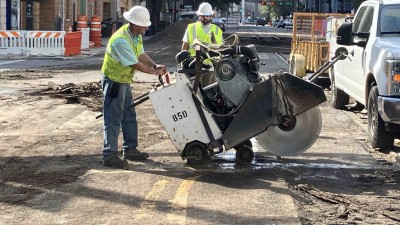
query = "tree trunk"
x=156 y=6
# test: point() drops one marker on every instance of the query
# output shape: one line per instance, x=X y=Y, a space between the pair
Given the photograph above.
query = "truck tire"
x=378 y=136
x=339 y=98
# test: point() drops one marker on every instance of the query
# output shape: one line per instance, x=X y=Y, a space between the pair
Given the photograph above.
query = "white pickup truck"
x=371 y=72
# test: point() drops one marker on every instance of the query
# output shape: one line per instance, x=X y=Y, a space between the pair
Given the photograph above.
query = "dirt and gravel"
x=51 y=172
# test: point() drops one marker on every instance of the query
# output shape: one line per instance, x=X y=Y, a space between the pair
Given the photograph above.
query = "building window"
x=82 y=9
x=67 y=12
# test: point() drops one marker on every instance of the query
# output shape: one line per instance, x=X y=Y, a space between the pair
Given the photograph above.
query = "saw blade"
x=295 y=141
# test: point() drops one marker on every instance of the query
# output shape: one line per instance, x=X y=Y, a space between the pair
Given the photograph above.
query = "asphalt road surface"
x=51 y=171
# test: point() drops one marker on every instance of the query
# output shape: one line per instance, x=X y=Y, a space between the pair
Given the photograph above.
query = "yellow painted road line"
x=149 y=204
x=179 y=203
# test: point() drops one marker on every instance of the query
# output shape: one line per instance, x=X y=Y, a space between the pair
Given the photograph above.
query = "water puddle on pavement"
x=225 y=162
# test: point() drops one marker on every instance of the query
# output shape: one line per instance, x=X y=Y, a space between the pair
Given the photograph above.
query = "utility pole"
x=256 y=10
x=62 y=15
x=114 y=13
x=174 y=11
x=294 y=7
x=29 y=15
x=243 y=9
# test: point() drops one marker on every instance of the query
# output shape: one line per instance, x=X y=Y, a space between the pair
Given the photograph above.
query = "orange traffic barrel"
x=95 y=31
x=82 y=22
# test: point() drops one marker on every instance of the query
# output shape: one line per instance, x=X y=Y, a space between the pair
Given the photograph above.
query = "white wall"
x=3 y=24
x=15 y=14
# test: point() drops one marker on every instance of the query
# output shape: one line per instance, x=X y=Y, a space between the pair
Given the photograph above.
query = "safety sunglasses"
x=205 y=15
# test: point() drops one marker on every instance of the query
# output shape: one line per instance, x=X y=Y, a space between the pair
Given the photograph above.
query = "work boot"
x=134 y=154
x=116 y=162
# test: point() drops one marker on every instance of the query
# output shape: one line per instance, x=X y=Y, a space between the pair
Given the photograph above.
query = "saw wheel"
x=294 y=135
x=244 y=154
x=196 y=153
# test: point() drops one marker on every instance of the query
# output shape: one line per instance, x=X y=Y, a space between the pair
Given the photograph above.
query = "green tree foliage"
x=268 y=11
x=275 y=11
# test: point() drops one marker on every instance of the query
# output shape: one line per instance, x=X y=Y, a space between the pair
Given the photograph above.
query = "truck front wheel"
x=339 y=98
x=378 y=136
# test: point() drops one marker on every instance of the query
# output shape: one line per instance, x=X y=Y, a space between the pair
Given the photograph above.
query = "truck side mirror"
x=363 y=35
x=363 y=38
x=361 y=44
x=344 y=34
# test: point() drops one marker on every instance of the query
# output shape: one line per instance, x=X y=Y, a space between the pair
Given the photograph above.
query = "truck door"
x=354 y=66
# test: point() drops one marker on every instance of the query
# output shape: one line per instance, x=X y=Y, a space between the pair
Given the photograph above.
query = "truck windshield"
x=390 y=19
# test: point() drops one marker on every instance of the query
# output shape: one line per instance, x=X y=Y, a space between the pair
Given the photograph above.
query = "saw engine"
x=236 y=71
x=280 y=110
x=237 y=76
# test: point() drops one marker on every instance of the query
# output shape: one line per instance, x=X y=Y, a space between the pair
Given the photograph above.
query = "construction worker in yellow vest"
x=124 y=55
x=204 y=31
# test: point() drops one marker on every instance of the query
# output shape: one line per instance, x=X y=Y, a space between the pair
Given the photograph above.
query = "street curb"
x=80 y=56
x=13 y=57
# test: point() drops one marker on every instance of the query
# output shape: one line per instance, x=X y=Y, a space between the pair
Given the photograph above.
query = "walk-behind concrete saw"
x=280 y=111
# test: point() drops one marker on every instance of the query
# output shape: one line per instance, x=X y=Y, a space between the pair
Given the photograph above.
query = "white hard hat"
x=138 y=15
x=205 y=9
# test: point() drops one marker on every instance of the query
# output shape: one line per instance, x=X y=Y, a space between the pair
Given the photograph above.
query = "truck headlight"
x=393 y=75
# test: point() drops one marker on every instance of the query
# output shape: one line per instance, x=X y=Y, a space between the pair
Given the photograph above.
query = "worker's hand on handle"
x=160 y=79
x=160 y=69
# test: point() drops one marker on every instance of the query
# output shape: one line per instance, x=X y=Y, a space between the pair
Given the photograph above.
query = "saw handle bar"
x=327 y=65
x=136 y=101
x=160 y=79
x=144 y=97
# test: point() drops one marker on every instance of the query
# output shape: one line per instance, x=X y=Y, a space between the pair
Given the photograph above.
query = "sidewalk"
x=86 y=52
x=99 y=50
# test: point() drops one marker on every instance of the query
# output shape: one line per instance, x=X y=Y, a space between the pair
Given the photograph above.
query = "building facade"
x=57 y=14
x=326 y=6
x=61 y=14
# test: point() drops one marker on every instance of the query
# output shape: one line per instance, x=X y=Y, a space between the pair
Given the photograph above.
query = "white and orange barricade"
x=47 y=43
x=43 y=43
x=85 y=38
x=12 y=42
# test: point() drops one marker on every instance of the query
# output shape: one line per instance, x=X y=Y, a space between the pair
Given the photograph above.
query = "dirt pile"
x=174 y=32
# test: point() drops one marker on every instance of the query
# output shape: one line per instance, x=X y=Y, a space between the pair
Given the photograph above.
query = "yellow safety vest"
x=195 y=31
x=112 y=68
